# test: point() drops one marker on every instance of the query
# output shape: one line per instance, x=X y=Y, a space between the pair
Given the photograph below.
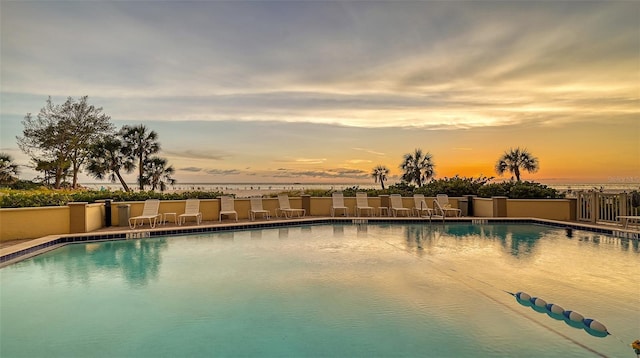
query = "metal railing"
x=596 y=207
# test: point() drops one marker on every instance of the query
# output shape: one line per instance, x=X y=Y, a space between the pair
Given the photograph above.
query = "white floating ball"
x=523 y=296
x=554 y=308
x=574 y=316
x=538 y=302
x=595 y=325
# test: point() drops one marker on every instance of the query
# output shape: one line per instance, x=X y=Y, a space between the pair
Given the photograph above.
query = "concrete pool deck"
x=17 y=250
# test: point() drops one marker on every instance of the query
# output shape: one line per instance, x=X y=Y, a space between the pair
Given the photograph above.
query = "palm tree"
x=380 y=174
x=158 y=174
x=417 y=167
x=138 y=145
x=106 y=158
x=515 y=160
x=8 y=169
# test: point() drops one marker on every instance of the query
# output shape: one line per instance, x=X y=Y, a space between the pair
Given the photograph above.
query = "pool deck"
x=17 y=250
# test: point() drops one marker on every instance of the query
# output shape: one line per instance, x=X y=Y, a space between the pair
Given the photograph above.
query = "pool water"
x=340 y=290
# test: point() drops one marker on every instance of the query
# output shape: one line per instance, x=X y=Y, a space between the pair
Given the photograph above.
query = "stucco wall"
x=483 y=207
x=31 y=223
x=553 y=209
x=95 y=216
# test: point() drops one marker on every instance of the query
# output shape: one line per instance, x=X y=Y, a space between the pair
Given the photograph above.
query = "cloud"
x=360 y=64
x=370 y=151
x=191 y=169
x=223 y=171
x=335 y=173
x=358 y=161
x=304 y=161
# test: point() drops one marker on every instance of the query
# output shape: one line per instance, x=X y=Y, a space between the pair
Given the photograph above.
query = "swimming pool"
x=336 y=290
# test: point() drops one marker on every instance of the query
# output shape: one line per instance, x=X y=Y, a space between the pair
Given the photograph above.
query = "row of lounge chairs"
x=227 y=208
x=441 y=207
x=150 y=213
x=284 y=209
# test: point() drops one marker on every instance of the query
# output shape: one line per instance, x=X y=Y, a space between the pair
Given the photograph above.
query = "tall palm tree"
x=8 y=169
x=106 y=159
x=380 y=174
x=417 y=167
x=138 y=145
x=515 y=160
x=158 y=174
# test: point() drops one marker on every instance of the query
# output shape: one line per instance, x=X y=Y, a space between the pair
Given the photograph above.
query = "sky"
x=324 y=91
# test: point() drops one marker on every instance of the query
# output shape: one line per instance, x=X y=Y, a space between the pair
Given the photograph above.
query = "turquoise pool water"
x=325 y=291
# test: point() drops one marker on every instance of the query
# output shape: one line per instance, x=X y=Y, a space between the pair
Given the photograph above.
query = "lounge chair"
x=149 y=212
x=256 y=208
x=396 y=205
x=191 y=210
x=337 y=203
x=420 y=208
x=624 y=220
x=285 y=208
x=362 y=203
x=227 y=207
x=442 y=206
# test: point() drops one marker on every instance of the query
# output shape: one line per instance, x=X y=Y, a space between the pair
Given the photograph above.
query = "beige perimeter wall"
x=553 y=209
x=30 y=223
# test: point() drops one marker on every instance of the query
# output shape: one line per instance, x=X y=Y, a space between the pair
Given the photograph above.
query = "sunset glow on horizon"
x=274 y=91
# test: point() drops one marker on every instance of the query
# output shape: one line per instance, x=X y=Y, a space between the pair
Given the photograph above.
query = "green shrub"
x=37 y=198
x=519 y=190
x=455 y=186
x=25 y=185
x=495 y=189
x=531 y=190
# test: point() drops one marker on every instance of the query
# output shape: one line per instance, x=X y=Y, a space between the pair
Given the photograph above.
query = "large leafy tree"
x=380 y=174
x=158 y=175
x=107 y=160
x=139 y=144
x=8 y=169
x=87 y=124
x=515 y=160
x=45 y=140
x=61 y=135
x=417 y=167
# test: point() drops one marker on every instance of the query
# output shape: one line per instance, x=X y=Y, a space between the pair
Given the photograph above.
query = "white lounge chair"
x=285 y=208
x=256 y=208
x=337 y=203
x=625 y=219
x=149 y=212
x=362 y=203
x=227 y=207
x=442 y=206
x=396 y=205
x=420 y=207
x=191 y=210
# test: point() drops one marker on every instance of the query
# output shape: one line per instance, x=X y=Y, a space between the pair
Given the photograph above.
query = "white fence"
x=599 y=207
